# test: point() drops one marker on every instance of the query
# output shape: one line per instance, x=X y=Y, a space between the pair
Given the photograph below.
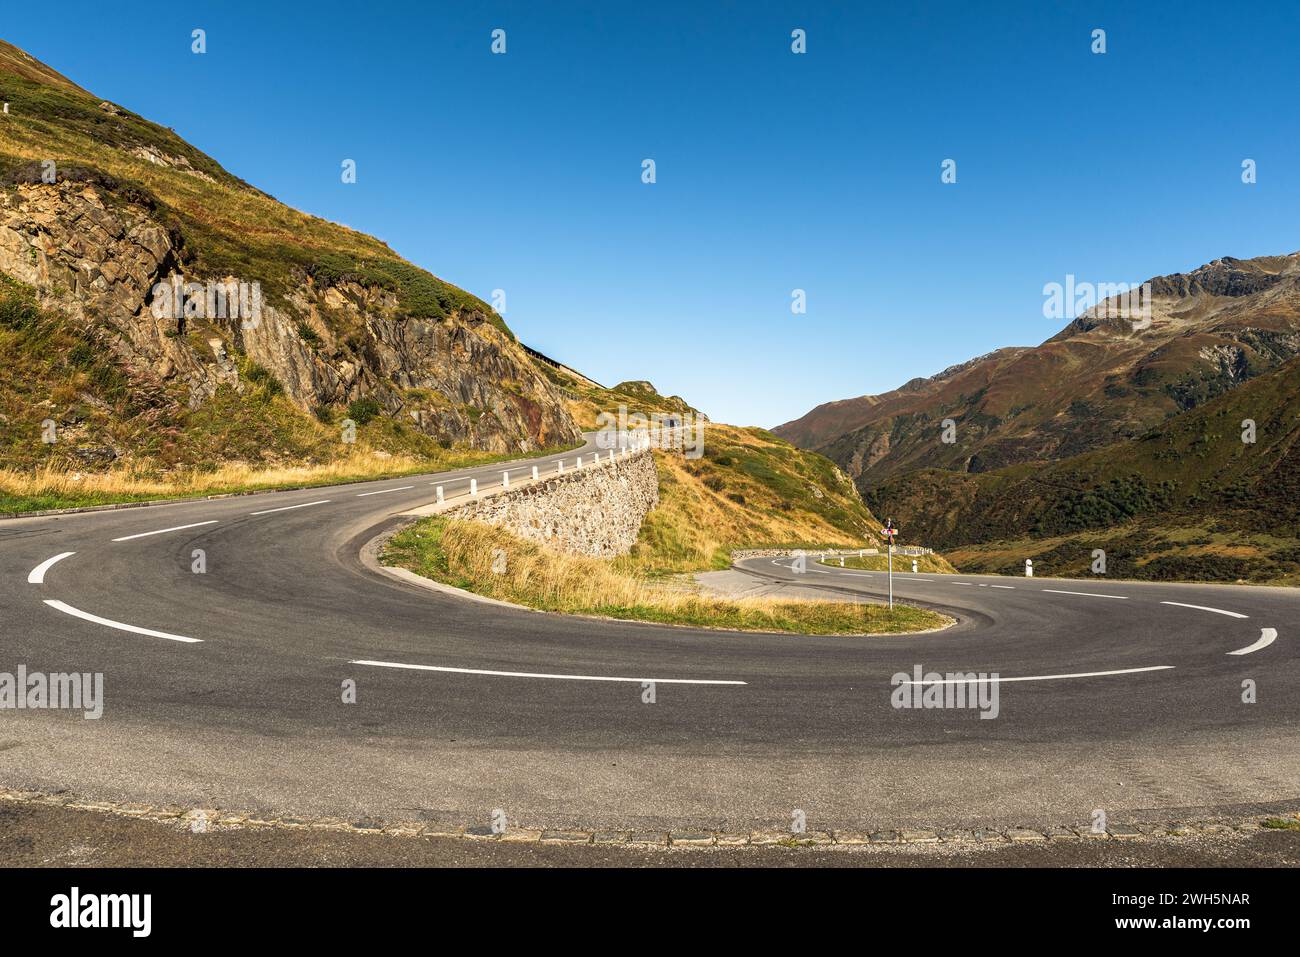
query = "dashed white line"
x=532 y=674
x=37 y=575
x=174 y=528
x=383 y=490
x=1085 y=594
x=1079 y=674
x=1217 y=611
x=107 y=622
x=268 y=511
x=1266 y=637
x=1012 y=587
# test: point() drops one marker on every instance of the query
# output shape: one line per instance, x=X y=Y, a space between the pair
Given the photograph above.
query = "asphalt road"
x=250 y=717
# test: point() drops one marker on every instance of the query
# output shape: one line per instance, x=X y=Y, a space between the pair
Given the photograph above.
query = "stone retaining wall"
x=596 y=510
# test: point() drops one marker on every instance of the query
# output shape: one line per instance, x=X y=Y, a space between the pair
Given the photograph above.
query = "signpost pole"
x=891 y=572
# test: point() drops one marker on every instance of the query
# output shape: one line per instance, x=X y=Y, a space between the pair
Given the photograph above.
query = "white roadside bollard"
x=841 y=561
x=473 y=486
x=505 y=479
x=579 y=465
x=534 y=473
x=559 y=467
x=611 y=456
x=440 y=498
x=1029 y=568
x=913 y=566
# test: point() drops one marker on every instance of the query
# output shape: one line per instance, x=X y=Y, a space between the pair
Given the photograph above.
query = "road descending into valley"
x=223 y=689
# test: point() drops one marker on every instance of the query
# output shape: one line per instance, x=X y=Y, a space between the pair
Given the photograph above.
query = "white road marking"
x=1085 y=594
x=286 y=508
x=1080 y=674
x=532 y=674
x=78 y=613
x=1217 y=611
x=37 y=575
x=902 y=579
x=961 y=583
x=1266 y=637
x=1012 y=587
x=175 y=528
x=383 y=490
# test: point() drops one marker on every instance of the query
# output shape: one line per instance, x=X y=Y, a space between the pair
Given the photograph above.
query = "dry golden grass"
x=491 y=562
x=56 y=487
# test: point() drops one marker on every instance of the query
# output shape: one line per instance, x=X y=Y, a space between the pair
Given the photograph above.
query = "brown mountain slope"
x=1098 y=381
x=1212 y=493
x=100 y=208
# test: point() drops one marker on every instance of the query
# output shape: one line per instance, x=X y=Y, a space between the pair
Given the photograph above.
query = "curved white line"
x=532 y=674
x=87 y=616
x=1080 y=674
x=37 y=575
x=1266 y=637
x=1217 y=611
x=174 y=528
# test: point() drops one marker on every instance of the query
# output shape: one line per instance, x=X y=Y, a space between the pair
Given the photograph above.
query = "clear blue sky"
x=775 y=171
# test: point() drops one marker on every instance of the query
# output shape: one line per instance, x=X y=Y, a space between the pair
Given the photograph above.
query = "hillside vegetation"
x=1189 y=500
x=99 y=208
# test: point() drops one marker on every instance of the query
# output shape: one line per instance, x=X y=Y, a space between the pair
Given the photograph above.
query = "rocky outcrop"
x=596 y=510
x=95 y=251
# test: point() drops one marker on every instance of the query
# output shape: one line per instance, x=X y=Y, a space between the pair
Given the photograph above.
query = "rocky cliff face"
x=96 y=250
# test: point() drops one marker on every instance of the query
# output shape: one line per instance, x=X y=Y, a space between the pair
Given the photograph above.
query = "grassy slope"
x=464 y=554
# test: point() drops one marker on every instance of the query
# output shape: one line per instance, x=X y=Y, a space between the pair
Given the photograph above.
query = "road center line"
x=1217 y=611
x=1085 y=594
x=87 y=616
x=1266 y=637
x=383 y=490
x=1012 y=587
x=532 y=674
x=1080 y=674
x=175 y=528
x=37 y=575
x=268 y=511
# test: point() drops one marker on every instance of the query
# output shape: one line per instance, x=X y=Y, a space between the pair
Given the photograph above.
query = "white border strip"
x=87 y=616
x=1217 y=611
x=1081 y=674
x=268 y=511
x=383 y=490
x=1085 y=594
x=174 y=528
x=37 y=575
x=532 y=674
